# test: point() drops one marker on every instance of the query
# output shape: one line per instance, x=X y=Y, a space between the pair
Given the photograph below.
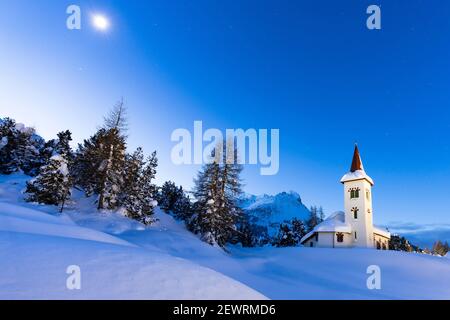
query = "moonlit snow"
x=121 y=259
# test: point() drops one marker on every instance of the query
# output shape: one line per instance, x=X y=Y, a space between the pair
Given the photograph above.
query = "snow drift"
x=37 y=247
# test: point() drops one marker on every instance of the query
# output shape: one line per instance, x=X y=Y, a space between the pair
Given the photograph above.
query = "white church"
x=354 y=227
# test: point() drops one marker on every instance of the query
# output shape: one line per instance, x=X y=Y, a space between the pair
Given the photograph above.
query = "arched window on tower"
x=354 y=193
x=339 y=237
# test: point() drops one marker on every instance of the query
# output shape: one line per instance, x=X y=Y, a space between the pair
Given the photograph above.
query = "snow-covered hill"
x=37 y=246
x=120 y=258
x=269 y=211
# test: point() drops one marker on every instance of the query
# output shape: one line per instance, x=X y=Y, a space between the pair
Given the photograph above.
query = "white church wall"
x=362 y=226
x=325 y=239
x=329 y=240
x=383 y=241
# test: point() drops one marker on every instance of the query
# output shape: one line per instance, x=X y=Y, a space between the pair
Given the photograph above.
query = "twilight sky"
x=309 y=68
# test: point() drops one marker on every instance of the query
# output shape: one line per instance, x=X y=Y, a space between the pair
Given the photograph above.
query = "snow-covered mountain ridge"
x=268 y=211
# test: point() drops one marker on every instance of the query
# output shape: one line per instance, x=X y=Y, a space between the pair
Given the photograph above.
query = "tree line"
x=123 y=181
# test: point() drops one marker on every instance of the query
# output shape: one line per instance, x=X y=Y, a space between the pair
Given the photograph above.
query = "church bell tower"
x=358 y=203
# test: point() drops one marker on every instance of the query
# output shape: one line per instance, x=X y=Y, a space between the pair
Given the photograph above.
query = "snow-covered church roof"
x=382 y=232
x=356 y=170
x=334 y=223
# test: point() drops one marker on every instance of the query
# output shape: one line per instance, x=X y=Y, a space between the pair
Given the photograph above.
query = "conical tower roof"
x=356 y=170
x=356 y=162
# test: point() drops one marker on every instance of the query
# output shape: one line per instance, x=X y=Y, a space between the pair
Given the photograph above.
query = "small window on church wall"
x=368 y=194
x=355 y=212
x=356 y=236
x=340 y=237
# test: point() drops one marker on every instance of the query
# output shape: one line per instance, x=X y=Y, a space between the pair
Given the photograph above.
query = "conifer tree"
x=320 y=215
x=298 y=229
x=398 y=243
x=216 y=189
x=53 y=185
x=8 y=164
x=168 y=196
x=245 y=232
x=313 y=219
x=27 y=154
x=183 y=207
x=89 y=159
x=173 y=199
x=285 y=237
x=138 y=191
x=290 y=233
x=60 y=146
x=131 y=190
x=100 y=161
x=440 y=248
x=20 y=148
x=148 y=189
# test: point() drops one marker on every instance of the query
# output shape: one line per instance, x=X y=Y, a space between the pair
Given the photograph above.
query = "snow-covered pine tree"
x=111 y=169
x=27 y=154
x=7 y=146
x=148 y=189
x=168 y=196
x=131 y=190
x=216 y=188
x=113 y=165
x=290 y=233
x=138 y=191
x=100 y=161
x=285 y=237
x=298 y=229
x=19 y=148
x=207 y=220
x=60 y=146
x=172 y=199
x=245 y=232
x=231 y=185
x=89 y=158
x=53 y=184
x=183 y=206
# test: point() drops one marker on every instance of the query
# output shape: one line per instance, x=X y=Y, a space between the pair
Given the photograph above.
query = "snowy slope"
x=120 y=258
x=308 y=273
x=269 y=211
x=36 y=248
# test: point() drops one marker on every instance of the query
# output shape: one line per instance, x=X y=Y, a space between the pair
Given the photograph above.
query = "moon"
x=100 y=22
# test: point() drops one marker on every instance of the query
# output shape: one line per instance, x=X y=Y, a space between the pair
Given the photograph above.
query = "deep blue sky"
x=310 y=68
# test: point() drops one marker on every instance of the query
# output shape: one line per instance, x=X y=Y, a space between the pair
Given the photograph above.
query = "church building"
x=354 y=227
